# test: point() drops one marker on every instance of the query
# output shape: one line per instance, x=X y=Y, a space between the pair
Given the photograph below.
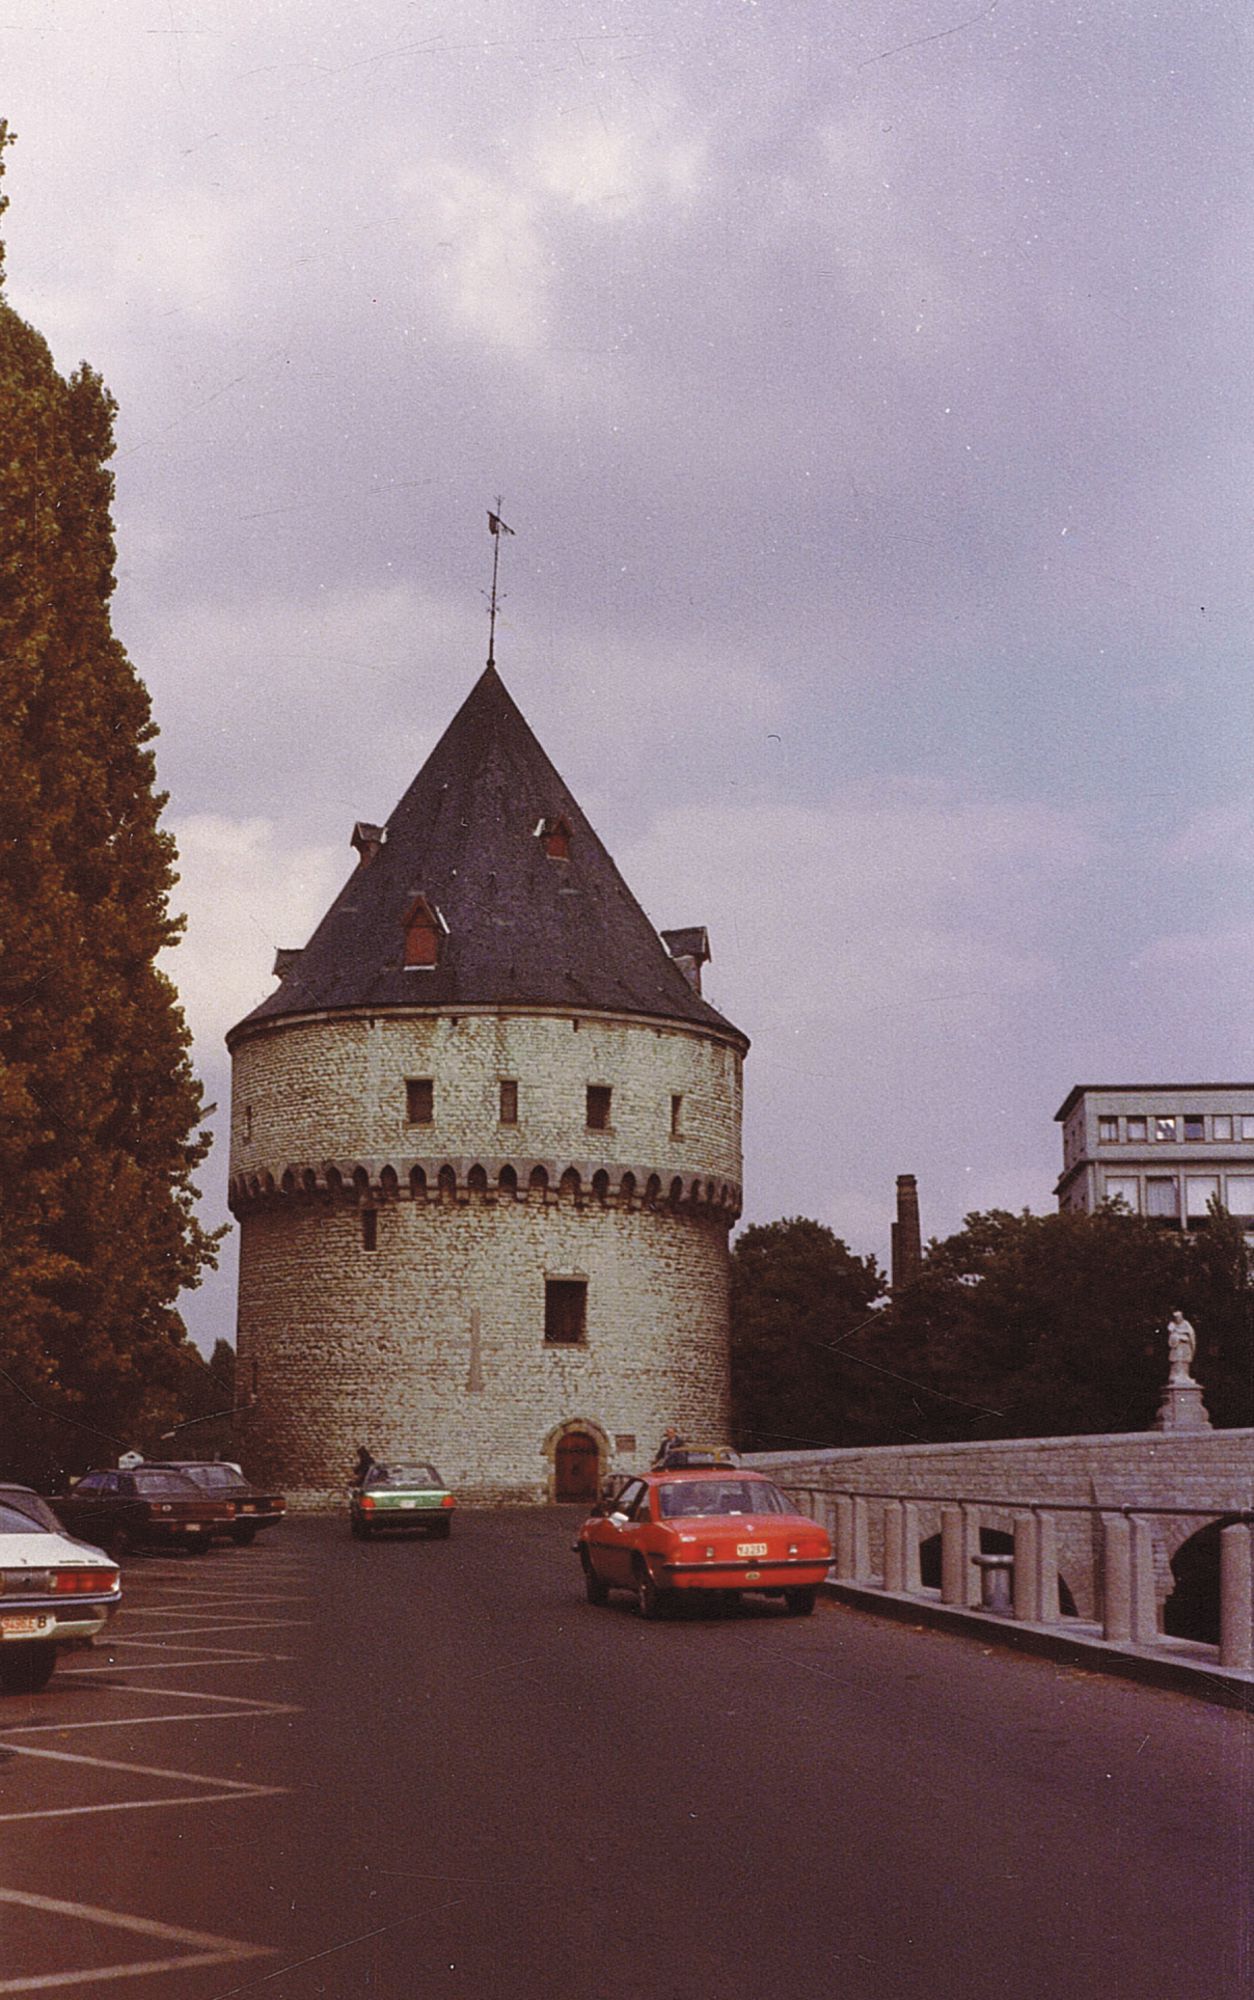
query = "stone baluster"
x=1049 y=1609
x=861 y=1540
x=1144 y=1593
x=954 y=1563
x=1236 y=1598
x=842 y=1508
x=1116 y=1579
x=1027 y=1529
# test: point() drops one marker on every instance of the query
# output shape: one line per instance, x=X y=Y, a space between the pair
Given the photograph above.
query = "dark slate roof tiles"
x=523 y=929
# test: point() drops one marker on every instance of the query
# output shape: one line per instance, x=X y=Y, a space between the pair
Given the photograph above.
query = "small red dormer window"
x=424 y=929
x=556 y=836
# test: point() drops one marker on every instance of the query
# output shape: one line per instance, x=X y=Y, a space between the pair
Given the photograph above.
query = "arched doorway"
x=577 y=1467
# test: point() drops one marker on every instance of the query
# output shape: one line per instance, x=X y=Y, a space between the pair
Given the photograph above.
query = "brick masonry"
x=339 y=1344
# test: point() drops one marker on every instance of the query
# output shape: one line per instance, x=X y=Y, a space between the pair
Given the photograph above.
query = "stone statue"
x=1181 y=1347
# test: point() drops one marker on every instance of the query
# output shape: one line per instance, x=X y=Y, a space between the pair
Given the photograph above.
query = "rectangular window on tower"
x=677 y=1116
x=509 y=1101
x=565 y=1311
x=598 y=1116
x=419 y=1100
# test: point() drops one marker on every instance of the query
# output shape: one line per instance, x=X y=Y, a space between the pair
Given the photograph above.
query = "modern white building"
x=1166 y=1149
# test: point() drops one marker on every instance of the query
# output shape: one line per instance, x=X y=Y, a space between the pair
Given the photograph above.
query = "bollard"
x=996 y=1575
x=1236 y=1598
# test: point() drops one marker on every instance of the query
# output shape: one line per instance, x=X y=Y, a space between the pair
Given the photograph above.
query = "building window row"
x=1168 y=1128
x=1159 y=1196
x=598 y=1105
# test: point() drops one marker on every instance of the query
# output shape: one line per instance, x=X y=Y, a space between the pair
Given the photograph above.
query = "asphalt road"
x=323 y=1770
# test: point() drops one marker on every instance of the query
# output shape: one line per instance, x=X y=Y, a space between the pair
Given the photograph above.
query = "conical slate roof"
x=522 y=928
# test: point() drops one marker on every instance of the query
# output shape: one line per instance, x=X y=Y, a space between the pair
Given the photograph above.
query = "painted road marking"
x=229 y=1789
x=203 y=1948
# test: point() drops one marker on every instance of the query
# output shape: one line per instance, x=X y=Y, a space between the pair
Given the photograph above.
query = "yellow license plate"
x=20 y=1623
x=751 y=1548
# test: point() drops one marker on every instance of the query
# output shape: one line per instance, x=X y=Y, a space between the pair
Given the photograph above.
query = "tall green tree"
x=797 y=1293
x=99 y=1109
x=1053 y=1325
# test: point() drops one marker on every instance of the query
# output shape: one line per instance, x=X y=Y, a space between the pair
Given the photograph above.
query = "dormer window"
x=425 y=928
x=555 y=834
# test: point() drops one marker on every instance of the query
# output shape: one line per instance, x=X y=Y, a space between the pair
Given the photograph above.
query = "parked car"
x=719 y=1531
x=403 y=1495
x=148 y=1506
x=54 y=1592
x=251 y=1509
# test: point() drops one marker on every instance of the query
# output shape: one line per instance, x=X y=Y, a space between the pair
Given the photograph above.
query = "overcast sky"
x=869 y=389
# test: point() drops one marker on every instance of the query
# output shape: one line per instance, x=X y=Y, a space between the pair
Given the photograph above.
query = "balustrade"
x=877 y=1543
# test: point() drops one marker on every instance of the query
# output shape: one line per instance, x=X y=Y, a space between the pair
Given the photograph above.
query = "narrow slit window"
x=509 y=1101
x=565 y=1311
x=419 y=1100
x=598 y=1111
x=369 y=1228
x=677 y=1116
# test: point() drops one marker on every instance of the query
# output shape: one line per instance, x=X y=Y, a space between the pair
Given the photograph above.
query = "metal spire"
x=496 y=528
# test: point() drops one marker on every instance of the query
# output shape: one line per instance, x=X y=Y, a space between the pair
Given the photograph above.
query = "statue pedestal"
x=1182 y=1408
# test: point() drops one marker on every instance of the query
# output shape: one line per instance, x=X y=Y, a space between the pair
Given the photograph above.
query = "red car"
x=723 y=1530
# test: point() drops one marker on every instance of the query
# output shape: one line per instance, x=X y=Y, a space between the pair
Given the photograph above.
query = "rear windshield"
x=403 y=1475
x=20 y=1512
x=208 y=1475
x=170 y=1485
x=720 y=1496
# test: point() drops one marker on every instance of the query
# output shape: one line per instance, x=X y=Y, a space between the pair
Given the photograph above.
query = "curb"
x=1202 y=1678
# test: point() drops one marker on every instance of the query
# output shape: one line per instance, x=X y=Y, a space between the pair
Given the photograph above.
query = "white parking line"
x=228 y=1788
x=203 y=1947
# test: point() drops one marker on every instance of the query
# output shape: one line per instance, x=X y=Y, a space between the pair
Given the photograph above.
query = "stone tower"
x=485 y=1152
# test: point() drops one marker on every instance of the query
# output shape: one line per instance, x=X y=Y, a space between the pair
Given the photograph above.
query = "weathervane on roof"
x=496 y=528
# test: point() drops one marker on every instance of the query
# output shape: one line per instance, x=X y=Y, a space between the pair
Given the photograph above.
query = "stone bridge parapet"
x=1094 y=1522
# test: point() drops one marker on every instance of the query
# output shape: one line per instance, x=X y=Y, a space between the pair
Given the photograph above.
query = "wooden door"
x=578 y=1467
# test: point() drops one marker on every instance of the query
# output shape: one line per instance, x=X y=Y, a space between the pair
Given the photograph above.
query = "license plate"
x=751 y=1548
x=195 y=1527
x=21 y=1623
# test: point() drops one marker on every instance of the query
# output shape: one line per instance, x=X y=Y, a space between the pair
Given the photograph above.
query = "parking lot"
x=321 y=1769
x=151 y=1724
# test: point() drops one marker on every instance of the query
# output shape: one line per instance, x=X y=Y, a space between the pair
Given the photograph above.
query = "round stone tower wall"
x=406 y=1223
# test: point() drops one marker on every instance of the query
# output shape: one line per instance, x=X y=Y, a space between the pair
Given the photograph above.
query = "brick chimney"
x=907 y=1241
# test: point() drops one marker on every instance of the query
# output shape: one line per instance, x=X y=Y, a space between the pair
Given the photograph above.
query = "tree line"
x=1017 y=1326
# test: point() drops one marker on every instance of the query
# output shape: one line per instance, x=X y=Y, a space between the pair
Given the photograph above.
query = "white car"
x=54 y=1591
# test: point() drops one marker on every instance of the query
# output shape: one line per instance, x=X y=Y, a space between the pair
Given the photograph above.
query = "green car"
x=410 y=1495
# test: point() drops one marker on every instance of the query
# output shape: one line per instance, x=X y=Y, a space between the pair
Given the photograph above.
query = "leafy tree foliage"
x=1033 y=1326
x=796 y=1293
x=99 y=1109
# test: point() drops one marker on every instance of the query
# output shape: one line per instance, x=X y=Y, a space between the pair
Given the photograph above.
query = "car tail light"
x=367 y=1504
x=448 y=1501
x=67 y=1581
